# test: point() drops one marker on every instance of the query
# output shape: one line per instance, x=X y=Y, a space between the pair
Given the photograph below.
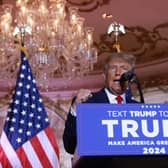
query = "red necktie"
x=119 y=99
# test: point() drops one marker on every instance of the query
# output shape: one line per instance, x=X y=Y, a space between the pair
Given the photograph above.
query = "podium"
x=127 y=135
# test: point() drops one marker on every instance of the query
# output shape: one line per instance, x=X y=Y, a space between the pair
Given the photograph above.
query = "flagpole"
x=27 y=139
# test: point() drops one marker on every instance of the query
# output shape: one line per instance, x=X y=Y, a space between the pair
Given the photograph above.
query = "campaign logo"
x=127 y=129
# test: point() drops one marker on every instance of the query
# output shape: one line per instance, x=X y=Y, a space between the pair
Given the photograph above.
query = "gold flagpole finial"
x=116 y=46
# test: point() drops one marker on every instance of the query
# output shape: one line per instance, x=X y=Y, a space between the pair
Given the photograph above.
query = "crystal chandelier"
x=54 y=35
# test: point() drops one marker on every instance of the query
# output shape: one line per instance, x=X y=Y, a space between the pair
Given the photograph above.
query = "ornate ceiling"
x=146 y=37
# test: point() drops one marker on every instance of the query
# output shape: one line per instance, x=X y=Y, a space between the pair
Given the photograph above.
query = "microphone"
x=127 y=76
x=131 y=78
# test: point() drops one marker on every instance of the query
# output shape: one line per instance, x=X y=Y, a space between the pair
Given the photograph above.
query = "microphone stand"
x=140 y=90
x=136 y=80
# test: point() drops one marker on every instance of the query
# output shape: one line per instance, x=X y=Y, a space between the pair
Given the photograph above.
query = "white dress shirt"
x=112 y=98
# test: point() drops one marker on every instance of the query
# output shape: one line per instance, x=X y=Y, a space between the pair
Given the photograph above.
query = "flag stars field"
x=11 y=129
x=33 y=106
x=20 y=130
x=31 y=115
x=19 y=140
x=33 y=97
x=20 y=84
x=30 y=124
x=24 y=103
x=28 y=133
x=18 y=93
x=23 y=112
x=16 y=102
x=28 y=86
x=38 y=126
x=22 y=75
x=15 y=111
x=39 y=109
x=23 y=67
x=13 y=120
x=29 y=77
x=21 y=121
x=26 y=95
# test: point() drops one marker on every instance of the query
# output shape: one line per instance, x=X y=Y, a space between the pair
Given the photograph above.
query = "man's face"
x=116 y=68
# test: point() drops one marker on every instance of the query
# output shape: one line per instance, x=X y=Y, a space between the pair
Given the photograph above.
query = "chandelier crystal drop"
x=58 y=43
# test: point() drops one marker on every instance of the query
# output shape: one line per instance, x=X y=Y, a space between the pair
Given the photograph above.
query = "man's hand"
x=82 y=96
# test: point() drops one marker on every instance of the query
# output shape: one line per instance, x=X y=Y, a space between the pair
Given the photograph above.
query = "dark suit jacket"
x=69 y=140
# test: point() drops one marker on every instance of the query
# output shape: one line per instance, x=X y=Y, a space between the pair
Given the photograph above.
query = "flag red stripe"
x=23 y=158
x=52 y=139
x=4 y=160
x=40 y=152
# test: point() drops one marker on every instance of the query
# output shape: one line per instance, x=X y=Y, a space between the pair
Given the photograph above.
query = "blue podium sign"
x=127 y=129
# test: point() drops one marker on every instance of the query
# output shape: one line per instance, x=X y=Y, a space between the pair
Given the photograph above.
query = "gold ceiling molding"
x=155 y=81
x=146 y=45
x=88 y=5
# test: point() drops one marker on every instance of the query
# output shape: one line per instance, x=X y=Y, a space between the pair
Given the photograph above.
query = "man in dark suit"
x=113 y=92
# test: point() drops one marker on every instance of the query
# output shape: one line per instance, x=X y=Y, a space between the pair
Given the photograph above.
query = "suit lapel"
x=103 y=96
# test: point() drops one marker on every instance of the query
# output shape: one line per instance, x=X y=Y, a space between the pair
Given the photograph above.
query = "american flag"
x=27 y=140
